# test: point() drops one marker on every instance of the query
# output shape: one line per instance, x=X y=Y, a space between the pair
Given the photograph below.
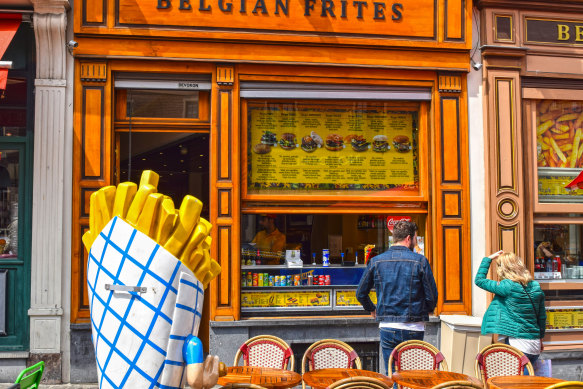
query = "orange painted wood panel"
x=450 y=141
x=508 y=236
x=92 y=132
x=225 y=135
x=452 y=204
x=452 y=258
x=84 y=288
x=505 y=134
x=454 y=19
x=225 y=202
x=86 y=193
x=93 y=11
x=410 y=19
x=224 y=261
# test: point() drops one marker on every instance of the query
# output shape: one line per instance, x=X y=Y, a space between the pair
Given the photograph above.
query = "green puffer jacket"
x=511 y=313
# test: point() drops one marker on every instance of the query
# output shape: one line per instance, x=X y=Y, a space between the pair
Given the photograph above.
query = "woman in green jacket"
x=518 y=308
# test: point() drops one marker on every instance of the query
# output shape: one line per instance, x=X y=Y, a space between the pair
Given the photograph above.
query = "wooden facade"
x=407 y=44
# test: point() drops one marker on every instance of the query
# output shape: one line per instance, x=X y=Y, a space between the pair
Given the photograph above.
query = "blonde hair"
x=510 y=267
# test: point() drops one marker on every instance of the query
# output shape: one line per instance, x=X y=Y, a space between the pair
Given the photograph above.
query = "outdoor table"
x=322 y=378
x=521 y=382
x=422 y=379
x=264 y=376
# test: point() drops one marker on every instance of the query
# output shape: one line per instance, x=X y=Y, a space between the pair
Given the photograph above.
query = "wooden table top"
x=323 y=378
x=263 y=376
x=521 y=382
x=422 y=379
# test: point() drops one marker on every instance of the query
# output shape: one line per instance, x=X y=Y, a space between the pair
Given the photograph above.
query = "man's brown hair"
x=403 y=229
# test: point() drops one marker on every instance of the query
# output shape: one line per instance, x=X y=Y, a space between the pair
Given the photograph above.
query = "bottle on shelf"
x=342 y=258
x=555 y=264
x=355 y=257
x=313 y=258
x=549 y=265
x=558 y=261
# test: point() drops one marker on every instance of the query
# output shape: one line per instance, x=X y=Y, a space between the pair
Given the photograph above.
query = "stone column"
x=50 y=162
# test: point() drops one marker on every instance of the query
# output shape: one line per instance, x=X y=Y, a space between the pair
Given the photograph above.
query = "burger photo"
x=317 y=138
x=402 y=143
x=359 y=143
x=288 y=141
x=334 y=142
x=261 y=148
x=380 y=143
x=268 y=138
x=308 y=144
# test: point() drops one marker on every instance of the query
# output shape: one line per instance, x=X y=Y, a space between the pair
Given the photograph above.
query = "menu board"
x=266 y=299
x=559 y=143
x=339 y=147
x=568 y=318
x=347 y=298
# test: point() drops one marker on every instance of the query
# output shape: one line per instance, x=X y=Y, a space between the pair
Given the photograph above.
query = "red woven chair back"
x=326 y=356
x=265 y=352
x=416 y=355
x=501 y=360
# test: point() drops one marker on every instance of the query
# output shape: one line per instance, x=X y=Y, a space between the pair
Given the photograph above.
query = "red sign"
x=392 y=220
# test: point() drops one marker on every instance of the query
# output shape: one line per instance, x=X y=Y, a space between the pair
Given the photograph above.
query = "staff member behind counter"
x=270 y=238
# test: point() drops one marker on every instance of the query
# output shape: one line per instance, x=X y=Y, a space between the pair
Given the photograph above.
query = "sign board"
x=564 y=32
x=392 y=220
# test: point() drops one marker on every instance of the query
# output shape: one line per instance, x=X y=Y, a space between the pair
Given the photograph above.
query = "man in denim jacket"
x=405 y=288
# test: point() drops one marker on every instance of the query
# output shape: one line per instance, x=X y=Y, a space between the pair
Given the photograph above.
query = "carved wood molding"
x=225 y=75
x=93 y=72
x=450 y=82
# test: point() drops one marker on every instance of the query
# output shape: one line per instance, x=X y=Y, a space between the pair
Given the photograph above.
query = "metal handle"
x=126 y=288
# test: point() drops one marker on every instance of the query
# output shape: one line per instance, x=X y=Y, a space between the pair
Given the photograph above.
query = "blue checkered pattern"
x=138 y=337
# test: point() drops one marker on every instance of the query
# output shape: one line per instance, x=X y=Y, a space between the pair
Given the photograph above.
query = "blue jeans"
x=392 y=337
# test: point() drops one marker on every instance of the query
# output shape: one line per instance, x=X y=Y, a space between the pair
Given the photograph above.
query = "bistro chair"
x=329 y=353
x=30 y=377
x=566 y=385
x=458 y=385
x=501 y=360
x=266 y=351
x=416 y=355
x=359 y=382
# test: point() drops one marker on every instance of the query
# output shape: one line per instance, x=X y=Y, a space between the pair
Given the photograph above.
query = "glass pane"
x=9 y=186
x=303 y=146
x=559 y=149
x=266 y=237
x=13 y=108
x=558 y=251
x=163 y=104
x=181 y=160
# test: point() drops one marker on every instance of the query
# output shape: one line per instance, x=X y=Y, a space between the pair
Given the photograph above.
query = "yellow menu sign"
x=303 y=146
x=347 y=298
x=266 y=299
x=564 y=318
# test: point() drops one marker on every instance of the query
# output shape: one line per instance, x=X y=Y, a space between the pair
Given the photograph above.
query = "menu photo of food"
x=358 y=142
x=334 y=142
x=262 y=148
x=309 y=145
x=288 y=141
x=268 y=138
x=402 y=143
x=380 y=143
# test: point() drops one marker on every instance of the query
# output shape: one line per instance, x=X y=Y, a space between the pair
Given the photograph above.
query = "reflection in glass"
x=13 y=108
x=9 y=185
x=558 y=250
x=163 y=104
x=559 y=142
x=181 y=160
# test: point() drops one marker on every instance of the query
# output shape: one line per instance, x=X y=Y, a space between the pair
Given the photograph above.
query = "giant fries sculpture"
x=147 y=270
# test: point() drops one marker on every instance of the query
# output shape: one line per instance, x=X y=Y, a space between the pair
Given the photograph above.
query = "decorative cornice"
x=49 y=31
x=51 y=6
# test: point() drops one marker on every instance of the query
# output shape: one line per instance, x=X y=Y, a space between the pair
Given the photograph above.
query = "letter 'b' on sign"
x=392 y=220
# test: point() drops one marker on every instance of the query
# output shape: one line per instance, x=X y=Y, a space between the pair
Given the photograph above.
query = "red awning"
x=9 y=23
x=577 y=183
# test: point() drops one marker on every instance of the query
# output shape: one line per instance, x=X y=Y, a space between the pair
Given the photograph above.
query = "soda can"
x=244 y=279
x=327 y=279
x=297 y=280
x=265 y=279
x=271 y=280
x=249 y=279
x=325 y=257
x=310 y=279
x=282 y=281
x=288 y=280
x=260 y=279
x=322 y=280
x=255 y=279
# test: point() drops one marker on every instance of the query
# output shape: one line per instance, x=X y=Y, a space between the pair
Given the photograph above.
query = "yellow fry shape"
x=105 y=197
x=575 y=148
x=194 y=260
x=138 y=203
x=566 y=147
x=560 y=128
x=95 y=220
x=562 y=136
x=167 y=216
x=579 y=120
x=198 y=236
x=203 y=267
x=149 y=178
x=149 y=216
x=123 y=198
x=544 y=146
x=188 y=217
x=568 y=116
x=580 y=152
x=557 y=149
x=215 y=270
x=543 y=127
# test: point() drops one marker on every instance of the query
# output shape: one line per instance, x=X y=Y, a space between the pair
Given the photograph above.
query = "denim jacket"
x=404 y=283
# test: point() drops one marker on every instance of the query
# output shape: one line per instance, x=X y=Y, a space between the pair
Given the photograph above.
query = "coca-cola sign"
x=392 y=220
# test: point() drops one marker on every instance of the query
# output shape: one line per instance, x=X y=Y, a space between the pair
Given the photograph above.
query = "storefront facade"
x=532 y=78
x=330 y=118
